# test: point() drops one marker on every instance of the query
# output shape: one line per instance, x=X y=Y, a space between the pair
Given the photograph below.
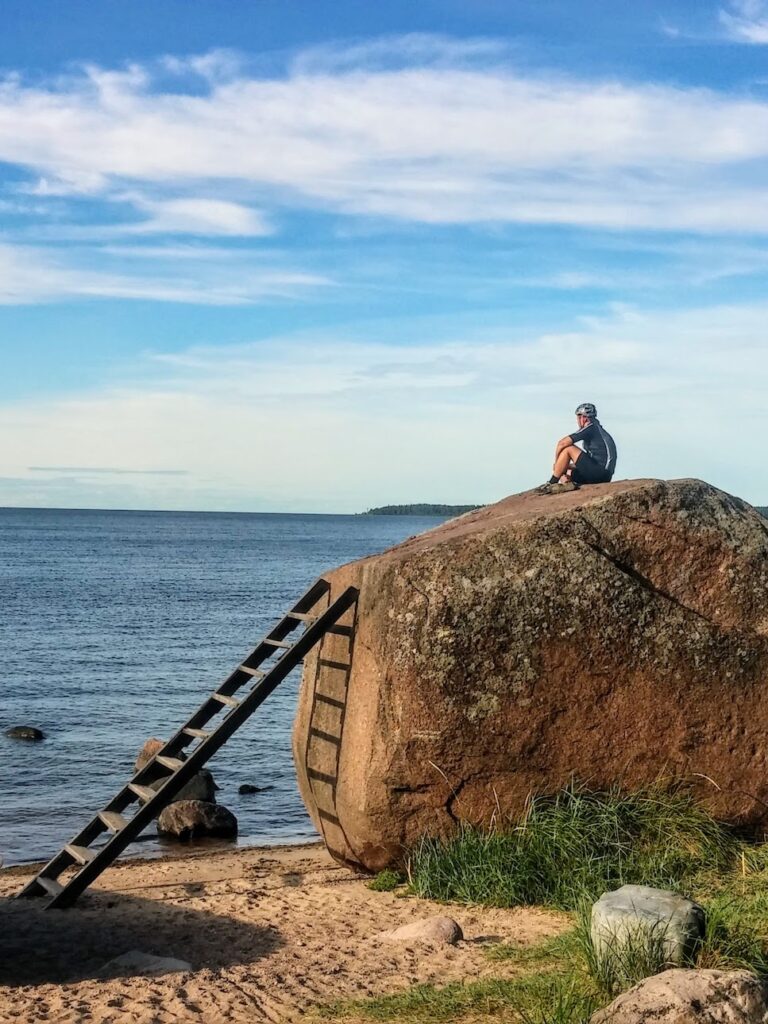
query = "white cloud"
x=746 y=21
x=437 y=142
x=33 y=274
x=197 y=217
x=363 y=423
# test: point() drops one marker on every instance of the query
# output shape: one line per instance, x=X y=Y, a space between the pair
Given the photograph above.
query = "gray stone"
x=200 y=787
x=136 y=962
x=691 y=997
x=621 y=916
x=193 y=819
x=439 y=931
x=25 y=732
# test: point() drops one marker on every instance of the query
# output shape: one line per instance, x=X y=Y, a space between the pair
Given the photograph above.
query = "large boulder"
x=691 y=997
x=613 y=633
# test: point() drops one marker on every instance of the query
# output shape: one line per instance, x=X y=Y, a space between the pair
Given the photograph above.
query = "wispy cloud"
x=746 y=21
x=207 y=217
x=436 y=142
x=108 y=470
x=33 y=274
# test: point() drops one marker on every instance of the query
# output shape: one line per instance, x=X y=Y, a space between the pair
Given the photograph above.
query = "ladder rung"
x=327 y=816
x=50 y=885
x=198 y=734
x=328 y=737
x=340 y=630
x=222 y=698
x=333 y=701
x=113 y=820
x=173 y=763
x=144 y=792
x=301 y=616
x=80 y=853
x=312 y=773
x=327 y=663
x=277 y=643
x=257 y=673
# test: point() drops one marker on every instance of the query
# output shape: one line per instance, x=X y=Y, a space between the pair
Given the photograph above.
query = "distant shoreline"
x=420 y=509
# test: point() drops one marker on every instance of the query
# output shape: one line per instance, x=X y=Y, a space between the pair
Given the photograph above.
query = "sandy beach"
x=269 y=933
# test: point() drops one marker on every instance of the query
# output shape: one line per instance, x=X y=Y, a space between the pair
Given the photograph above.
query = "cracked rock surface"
x=612 y=633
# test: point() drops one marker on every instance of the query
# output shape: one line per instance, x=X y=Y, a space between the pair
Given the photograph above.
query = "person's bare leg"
x=564 y=459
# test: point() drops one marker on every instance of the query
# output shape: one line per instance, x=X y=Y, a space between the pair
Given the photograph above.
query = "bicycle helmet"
x=586 y=409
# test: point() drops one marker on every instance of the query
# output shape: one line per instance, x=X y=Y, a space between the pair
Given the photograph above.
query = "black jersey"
x=599 y=445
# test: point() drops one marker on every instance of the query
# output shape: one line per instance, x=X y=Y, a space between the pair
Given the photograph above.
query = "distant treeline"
x=420 y=509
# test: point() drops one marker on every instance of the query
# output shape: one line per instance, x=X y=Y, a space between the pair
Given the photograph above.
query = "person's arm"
x=580 y=435
x=564 y=442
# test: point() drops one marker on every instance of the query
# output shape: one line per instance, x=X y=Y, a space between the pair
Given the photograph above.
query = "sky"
x=321 y=255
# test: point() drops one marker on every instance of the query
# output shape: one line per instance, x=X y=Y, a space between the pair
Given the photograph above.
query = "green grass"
x=549 y=997
x=573 y=847
x=564 y=854
x=387 y=880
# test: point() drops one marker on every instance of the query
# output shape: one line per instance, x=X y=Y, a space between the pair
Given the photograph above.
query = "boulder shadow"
x=39 y=946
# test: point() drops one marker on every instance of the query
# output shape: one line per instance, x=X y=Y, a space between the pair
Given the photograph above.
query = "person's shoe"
x=556 y=488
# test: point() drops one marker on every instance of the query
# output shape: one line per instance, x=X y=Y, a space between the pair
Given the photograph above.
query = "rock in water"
x=612 y=632
x=25 y=732
x=151 y=747
x=200 y=787
x=636 y=914
x=691 y=997
x=193 y=819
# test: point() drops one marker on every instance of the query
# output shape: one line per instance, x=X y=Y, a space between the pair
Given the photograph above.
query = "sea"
x=114 y=628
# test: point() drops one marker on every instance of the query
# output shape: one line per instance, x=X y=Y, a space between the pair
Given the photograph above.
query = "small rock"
x=136 y=962
x=690 y=997
x=200 y=787
x=193 y=819
x=673 y=922
x=440 y=931
x=248 y=788
x=151 y=747
x=25 y=732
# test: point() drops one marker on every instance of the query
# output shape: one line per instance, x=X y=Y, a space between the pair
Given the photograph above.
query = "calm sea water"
x=116 y=625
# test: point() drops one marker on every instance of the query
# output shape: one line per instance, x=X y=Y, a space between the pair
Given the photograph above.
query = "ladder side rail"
x=256 y=657
x=205 y=750
x=274 y=677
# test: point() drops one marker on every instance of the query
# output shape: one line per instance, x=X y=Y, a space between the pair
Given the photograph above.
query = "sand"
x=269 y=933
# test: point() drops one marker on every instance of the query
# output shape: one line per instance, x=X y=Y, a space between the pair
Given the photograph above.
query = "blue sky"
x=316 y=256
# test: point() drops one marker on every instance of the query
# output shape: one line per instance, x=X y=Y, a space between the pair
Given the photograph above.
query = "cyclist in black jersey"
x=595 y=464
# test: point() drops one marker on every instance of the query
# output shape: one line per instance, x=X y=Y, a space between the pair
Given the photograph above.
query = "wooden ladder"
x=172 y=767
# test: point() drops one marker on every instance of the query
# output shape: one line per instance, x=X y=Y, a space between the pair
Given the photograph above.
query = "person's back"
x=600 y=447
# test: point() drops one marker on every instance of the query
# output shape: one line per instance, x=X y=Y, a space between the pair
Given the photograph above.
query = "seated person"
x=595 y=464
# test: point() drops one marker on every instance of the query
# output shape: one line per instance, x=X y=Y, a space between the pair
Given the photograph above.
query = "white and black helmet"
x=586 y=409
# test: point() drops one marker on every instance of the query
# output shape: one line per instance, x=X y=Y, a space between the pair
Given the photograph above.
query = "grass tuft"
x=573 y=847
x=386 y=881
